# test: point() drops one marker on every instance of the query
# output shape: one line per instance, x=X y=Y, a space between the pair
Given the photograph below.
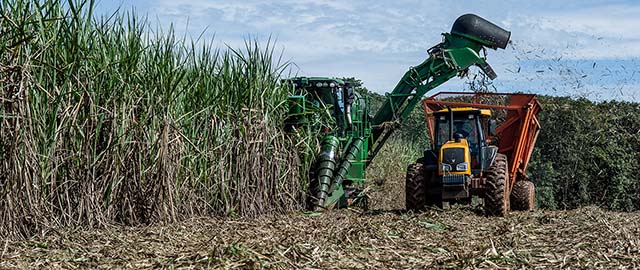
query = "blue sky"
x=578 y=48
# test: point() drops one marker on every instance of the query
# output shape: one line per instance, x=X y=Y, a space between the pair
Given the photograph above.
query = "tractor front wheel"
x=523 y=196
x=496 y=198
x=415 y=188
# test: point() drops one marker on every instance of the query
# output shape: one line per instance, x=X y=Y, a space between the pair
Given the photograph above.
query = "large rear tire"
x=496 y=199
x=415 y=188
x=523 y=196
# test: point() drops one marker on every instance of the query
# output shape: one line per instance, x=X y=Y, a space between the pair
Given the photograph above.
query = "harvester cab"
x=471 y=156
x=322 y=103
x=345 y=154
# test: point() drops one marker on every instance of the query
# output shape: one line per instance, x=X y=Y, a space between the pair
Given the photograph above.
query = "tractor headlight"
x=446 y=167
x=319 y=84
x=332 y=85
x=325 y=84
x=462 y=166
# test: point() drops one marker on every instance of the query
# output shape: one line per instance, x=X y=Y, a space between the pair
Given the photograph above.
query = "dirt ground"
x=458 y=238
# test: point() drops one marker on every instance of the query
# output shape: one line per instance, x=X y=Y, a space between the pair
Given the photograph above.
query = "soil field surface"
x=458 y=238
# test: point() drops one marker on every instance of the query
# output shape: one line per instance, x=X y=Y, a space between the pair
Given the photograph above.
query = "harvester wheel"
x=496 y=199
x=416 y=187
x=523 y=196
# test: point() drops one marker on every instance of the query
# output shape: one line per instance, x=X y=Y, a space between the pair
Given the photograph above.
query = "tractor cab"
x=463 y=131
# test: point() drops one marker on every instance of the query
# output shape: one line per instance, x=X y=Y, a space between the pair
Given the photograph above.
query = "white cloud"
x=378 y=40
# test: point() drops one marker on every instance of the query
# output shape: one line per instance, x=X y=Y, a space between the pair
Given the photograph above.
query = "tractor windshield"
x=464 y=124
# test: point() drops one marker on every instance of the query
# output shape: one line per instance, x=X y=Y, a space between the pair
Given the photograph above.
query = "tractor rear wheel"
x=415 y=188
x=496 y=197
x=523 y=196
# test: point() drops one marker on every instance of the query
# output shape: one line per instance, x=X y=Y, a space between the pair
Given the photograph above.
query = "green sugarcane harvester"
x=353 y=137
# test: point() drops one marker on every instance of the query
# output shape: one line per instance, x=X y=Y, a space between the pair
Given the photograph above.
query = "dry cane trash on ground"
x=587 y=238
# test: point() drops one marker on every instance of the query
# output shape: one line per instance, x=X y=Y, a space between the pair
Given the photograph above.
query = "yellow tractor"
x=471 y=154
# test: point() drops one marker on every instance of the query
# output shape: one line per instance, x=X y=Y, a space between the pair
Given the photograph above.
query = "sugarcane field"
x=332 y=134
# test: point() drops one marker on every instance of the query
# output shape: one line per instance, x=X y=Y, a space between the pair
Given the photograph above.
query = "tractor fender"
x=429 y=157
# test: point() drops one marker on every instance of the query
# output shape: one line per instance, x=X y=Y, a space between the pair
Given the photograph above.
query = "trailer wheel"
x=523 y=196
x=415 y=188
x=496 y=198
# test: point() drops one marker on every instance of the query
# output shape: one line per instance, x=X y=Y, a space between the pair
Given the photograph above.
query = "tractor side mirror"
x=493 y=124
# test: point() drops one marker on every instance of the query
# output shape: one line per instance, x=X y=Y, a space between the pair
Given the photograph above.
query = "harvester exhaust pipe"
x=450 y=123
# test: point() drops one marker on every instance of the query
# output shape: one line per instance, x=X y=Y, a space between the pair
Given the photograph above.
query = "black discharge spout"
x=476 y=28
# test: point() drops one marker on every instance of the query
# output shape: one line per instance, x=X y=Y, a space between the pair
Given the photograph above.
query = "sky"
x=572 y=48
